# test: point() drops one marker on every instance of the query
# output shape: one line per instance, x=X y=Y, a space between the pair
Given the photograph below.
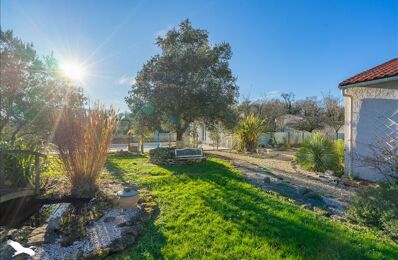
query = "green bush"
x=162 y=155
x=318 y=153
x=249 y=131
x=19 y=168
x=376 y=207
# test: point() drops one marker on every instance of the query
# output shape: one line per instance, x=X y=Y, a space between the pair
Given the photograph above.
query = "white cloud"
x=125 y=80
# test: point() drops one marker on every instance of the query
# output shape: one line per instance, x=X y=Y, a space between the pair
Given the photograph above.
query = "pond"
x=30 y=211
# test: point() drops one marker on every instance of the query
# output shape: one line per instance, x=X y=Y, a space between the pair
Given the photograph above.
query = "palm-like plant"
x=318 y=153
x=83 y=138
x=249 y=131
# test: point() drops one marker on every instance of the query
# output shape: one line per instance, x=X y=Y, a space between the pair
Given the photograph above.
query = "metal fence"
x=292 y=138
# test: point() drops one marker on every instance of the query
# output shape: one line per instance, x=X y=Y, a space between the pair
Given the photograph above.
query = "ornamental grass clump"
x=249 y=131
x=318 y=153
x=83 y=137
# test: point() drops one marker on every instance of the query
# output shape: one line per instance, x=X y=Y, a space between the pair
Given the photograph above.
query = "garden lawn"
x=207 y=210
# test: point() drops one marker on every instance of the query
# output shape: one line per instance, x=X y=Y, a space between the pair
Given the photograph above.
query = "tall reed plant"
x=83 y=137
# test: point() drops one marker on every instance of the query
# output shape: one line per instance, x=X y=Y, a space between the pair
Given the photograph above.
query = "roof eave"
x=369 y=82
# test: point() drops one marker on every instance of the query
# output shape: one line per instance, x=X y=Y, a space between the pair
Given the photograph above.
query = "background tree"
x=288 y=100
x=311 y=113
x=334 y=112
x=143 y=120
x=216 y=132
x=266 y=109
x=189 y=80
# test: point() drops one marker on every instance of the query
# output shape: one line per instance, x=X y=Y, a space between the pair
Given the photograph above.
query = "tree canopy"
x=31 y=89
x=189 y=80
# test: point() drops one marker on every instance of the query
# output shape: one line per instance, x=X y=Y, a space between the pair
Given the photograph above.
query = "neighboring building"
x=371 y=116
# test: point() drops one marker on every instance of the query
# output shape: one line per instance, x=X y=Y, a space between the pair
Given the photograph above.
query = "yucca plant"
x=83 y=137
x=318 y=153
x=249 y=131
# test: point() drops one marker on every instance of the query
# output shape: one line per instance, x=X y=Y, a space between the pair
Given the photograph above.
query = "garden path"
x=275 y=172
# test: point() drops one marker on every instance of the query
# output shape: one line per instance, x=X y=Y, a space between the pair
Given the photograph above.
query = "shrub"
x=249 y=131
x=318 y=153
x=162 y=155
x=376 y=207
x=83 y=138
x=339 y=144
x=19 y=167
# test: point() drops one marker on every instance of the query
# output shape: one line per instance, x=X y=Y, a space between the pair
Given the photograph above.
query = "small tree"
x=267 y=110
x=215 y=134
x=83 y=138
x=249 y=131
x=311 y=113
x=193 y=132
x=383 y=158
x=142 y=121
x=334 y=113
x=288 y=100
x=190 y=80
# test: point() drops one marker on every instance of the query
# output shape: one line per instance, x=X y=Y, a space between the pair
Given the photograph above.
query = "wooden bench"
x=189 y=154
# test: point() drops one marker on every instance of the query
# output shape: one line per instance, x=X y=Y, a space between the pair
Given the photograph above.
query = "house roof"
x=385 y=70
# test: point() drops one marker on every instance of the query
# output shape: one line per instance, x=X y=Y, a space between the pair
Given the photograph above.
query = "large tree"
x=31 y=89
x=189 y=80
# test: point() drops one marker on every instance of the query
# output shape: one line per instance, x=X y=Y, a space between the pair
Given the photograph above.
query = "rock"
x=307 y=206
x=116 y=245
x=304 y=191
x=40 y=235
x=310 y=194
x=130 y=231
x=329 y=173
x=109 y=219
x=21 y=234
x=6 y=251
x=267 y=180
x=336 y=217
x=11 y=233
x=54 y=224
x=321 y=211
x=3 y=233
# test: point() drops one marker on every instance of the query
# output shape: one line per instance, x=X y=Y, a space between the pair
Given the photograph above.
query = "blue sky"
x=306 y=47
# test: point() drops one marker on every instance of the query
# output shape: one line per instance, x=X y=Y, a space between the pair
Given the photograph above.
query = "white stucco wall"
x=374 y=115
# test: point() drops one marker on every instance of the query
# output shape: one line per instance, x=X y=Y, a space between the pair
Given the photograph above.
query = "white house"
x=371 y=117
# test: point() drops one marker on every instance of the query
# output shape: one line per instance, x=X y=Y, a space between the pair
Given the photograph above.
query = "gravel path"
x=276 y=173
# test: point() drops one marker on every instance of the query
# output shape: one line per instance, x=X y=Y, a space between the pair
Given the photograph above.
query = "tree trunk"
x=142 y=140
x=179 y=141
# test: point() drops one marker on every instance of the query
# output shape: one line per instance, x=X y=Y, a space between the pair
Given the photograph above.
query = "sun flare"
x=73 y=70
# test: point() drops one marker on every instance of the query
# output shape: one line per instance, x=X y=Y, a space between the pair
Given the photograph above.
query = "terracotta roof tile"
x=385 y=70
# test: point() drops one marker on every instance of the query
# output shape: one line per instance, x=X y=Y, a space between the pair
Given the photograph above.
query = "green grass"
x=207 y=210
